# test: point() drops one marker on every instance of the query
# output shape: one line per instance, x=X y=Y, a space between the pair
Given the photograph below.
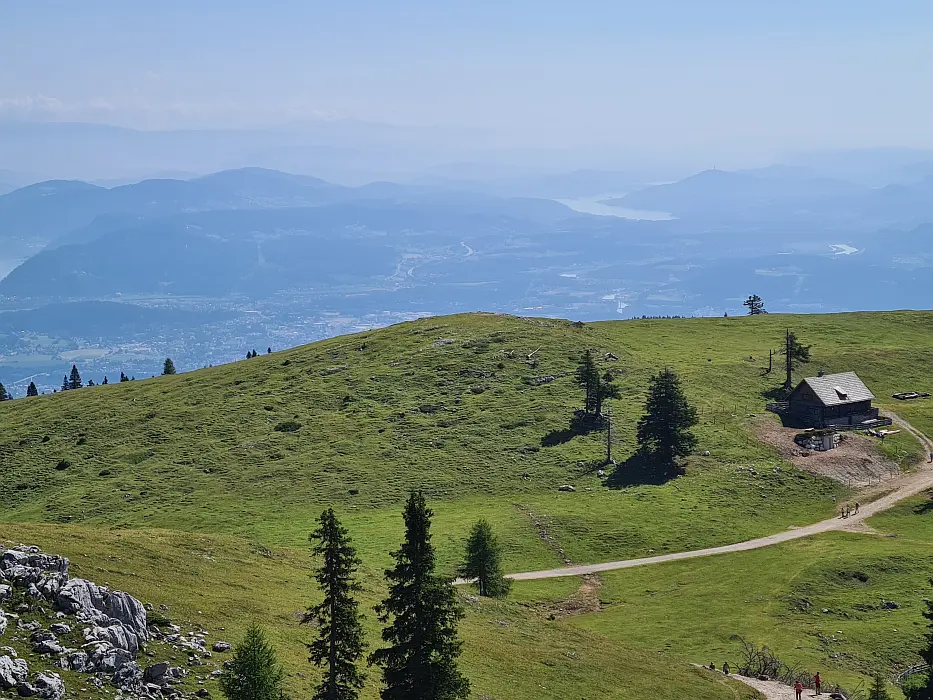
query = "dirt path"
x=902 y=488
x=773 y=690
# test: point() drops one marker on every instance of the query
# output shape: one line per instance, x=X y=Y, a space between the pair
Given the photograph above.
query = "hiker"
x=931 y=458
x=842 y=511
x=798 y=689
x=856 y=507
x=712 y=666
x=818 y=683
x=725 y=668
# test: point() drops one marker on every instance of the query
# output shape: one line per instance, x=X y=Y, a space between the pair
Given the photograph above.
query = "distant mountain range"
x=782 y=193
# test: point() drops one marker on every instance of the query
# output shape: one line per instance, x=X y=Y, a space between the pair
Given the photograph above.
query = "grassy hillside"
x=200 y=489
x=816 y=602
x=444 y=405
x=221 y=583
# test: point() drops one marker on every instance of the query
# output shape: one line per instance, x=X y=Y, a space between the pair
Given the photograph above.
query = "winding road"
x=902 y=488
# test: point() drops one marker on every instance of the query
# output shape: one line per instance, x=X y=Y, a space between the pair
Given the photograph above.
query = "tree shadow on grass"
x=641 y=470
x=926 y=507
x=581 y=424
x=778 y=393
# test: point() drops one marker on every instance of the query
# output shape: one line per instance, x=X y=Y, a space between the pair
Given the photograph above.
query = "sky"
x=704 y=76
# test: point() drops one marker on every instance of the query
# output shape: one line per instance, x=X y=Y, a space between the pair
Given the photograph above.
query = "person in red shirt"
x=798 y=688
x=817 y=683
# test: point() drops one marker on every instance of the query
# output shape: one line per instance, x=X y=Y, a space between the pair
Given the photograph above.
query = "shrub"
x=288 y=426
x=62 y=465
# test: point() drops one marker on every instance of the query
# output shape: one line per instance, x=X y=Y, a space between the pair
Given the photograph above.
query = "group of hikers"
x=846 y=510
x=798 y=686
x=817 y=686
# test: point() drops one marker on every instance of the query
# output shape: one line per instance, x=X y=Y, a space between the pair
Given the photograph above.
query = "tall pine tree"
x=664 y=430
x=421 y=615
x=65 y=385
x=879 y=688
x=74 y=381
x=168 y=367
x=3 y=393
x=926 y=692
x=32 y=389
x=254 y=672
x=339 y=645
x=588 y=380
x=483 y=562
x=795 y=354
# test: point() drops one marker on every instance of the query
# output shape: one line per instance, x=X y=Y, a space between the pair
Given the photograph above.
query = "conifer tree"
x=421 y=615
x=74 y=381
x=105 y=380
x=32 y=389
x=795 y=354
x=483 y=562
x=90 y=382
x=254 y=672
x=339 y=645
x=926 y=692
x=755 y=305
x=606 y=389
x=879 y=688
x=664 y=430
x=588 y=380
x=65 y=385
x=269 y=350
x=168 y=367
x=123 y=377
x=3 y=393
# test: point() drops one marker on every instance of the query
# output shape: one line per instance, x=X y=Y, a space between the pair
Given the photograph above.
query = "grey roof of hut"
x=839 y=389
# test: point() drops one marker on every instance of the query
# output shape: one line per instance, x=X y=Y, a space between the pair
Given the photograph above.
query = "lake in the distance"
x=7 y=266
x=595 y=206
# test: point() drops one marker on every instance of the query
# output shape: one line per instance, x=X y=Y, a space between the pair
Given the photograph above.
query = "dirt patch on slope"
x=857 y=462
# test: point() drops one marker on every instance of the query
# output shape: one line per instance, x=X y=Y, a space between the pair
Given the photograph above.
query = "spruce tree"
x=3 y=393
x=65 y=385
x=926 y=692
x=879 y=688
x=74 y=381
x=269 y=350
x=32 y=390
x=755 y=305
x=588 y=380
x=795 y=354
x=339 y=645
x=664 y=430
x=168 y=367
x=606 y=389
x=483 y=562
x=421 y=615
x=254 y=672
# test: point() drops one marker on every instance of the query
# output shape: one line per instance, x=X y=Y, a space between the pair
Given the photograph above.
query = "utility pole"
x=788 y=383
x=608 y=435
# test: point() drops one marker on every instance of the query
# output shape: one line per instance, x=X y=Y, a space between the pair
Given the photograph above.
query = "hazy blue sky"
x=655 y=74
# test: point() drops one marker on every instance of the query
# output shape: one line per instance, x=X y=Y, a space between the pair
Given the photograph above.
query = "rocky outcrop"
x=118 y=618
x=12 y=672
x=49 y=686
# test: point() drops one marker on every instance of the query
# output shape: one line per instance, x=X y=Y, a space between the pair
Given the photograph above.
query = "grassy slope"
x=197 y=453
x=169 y=447
x=777 y=597
x=220 y=583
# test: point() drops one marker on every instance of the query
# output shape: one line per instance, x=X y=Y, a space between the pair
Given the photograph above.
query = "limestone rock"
x=128 y=676
x=59 y=628
x=6 y=592
x=49 y=686
x=76 y=661
x=12 y=672
x=222 y=646
x=3 y=623
x=155 y=674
